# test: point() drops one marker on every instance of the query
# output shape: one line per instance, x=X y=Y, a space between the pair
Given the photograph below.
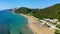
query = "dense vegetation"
x=58 y=25
x=57 y=32
x=49 y=12
x=23 y=10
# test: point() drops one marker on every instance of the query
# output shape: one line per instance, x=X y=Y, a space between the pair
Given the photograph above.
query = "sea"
x=12 y=23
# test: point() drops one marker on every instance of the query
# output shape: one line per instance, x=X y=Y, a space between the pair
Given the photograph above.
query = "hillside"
x=23 y=10
x=52 y=12
x=49 y=12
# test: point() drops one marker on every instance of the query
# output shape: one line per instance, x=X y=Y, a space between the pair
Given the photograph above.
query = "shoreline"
x=35 y=27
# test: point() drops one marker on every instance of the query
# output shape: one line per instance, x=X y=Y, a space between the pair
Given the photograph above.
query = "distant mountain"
x=48 y=12
x=8 y=10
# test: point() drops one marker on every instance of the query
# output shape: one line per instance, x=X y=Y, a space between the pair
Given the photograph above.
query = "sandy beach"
x=37 y=28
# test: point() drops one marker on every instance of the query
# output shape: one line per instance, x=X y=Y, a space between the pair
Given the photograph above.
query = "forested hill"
x=22 y=10
x=48 y=12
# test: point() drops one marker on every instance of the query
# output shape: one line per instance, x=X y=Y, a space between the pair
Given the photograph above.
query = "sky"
x=8 y=4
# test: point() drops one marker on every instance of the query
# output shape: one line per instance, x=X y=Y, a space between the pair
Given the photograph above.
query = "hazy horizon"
x=8 y=4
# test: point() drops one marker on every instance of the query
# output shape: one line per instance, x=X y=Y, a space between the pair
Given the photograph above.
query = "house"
x=55 y=20
x=51 y=20
x=46 y=19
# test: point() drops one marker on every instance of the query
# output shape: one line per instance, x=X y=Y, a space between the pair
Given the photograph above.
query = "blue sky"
x=7 y=4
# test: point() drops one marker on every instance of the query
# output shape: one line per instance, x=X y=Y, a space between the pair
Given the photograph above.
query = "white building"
x=51 y=20
x=46 y=19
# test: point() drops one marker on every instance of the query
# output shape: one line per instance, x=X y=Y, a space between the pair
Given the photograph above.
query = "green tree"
x=23 y=10
x=57 y=32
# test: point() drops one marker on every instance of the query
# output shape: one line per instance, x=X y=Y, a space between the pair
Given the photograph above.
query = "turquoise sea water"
x=13 y=23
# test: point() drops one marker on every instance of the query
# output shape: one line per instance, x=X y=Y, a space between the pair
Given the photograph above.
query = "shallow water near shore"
x=13 y=23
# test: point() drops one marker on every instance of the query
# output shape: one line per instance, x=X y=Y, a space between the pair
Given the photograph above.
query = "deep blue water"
x=11 y=23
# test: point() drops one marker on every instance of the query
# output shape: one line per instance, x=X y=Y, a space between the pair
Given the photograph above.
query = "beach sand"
x=37 y=28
